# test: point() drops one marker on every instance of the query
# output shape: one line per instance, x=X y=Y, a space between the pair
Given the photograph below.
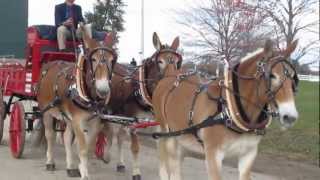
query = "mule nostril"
x=289 y=119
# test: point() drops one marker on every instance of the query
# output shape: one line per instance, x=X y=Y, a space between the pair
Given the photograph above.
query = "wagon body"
x=19 y=80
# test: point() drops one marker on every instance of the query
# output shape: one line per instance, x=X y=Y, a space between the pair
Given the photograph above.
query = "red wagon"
x=19 y=80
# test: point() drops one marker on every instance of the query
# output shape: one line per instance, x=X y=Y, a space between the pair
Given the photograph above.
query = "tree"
x=290 y=22
x=224 y=29
x=107 y=16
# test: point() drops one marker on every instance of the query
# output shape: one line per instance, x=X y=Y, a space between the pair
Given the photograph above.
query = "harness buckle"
x=221 y=83
x=260 y=65
x=176 y=84
x=198 y=90
x=274 y=114
x=229 y=122
x=260 y=132
x=127 y=79
x=191 y=113
x=137 y=93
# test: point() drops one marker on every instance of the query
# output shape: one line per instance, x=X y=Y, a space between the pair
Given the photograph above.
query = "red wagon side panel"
x=13 y=78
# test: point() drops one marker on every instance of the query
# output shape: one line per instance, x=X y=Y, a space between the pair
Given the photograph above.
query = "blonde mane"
x=251 y=55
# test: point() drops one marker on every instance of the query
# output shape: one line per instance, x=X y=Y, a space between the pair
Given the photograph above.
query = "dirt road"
x=31 y=167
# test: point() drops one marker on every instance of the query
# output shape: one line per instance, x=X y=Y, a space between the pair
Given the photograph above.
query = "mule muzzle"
x=102 y=88
x=287 y=121
x=288 y=114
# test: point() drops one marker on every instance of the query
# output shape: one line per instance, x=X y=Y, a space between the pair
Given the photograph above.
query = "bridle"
x=155 y=59
x=171 y=59
x=90 y=71
x=263 y=74
x=268 y=76
x=90 y=58
x=144 y=82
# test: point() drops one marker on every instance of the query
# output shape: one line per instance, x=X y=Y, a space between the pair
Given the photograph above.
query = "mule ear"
x=108 y=40
x=175 y=43
x=86 y=34
x=290 y=48
x=81 y=26
x=268 y=48
x=156 y=41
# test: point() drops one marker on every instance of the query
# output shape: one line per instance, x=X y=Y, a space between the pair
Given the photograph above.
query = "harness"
x=230 y=112
x=79 y=84
x=141 y=94
x=143 y=91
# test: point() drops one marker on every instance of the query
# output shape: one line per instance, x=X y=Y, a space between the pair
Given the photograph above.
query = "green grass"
x=301 y=142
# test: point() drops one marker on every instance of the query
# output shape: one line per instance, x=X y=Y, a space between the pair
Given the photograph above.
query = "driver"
x=67 y=17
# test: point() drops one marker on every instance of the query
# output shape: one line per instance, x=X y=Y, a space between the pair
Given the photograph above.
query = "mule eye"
x=272 y=76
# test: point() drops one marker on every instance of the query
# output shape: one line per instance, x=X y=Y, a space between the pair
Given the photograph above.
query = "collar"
x=238 y=116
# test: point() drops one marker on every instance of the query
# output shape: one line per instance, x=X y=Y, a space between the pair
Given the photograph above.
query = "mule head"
x=167 y=55
x=166 y=58
x=282 y=81
x=100 y=60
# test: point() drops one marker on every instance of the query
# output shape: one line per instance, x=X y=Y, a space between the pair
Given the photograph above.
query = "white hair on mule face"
x=288 y=114
x=102 y=86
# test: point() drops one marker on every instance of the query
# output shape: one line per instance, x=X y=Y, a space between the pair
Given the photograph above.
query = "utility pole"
x=142 y=30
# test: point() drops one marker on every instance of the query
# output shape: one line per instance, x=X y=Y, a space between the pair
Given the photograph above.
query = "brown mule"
x=131 y=93
x=232 y=112
x=72 y=92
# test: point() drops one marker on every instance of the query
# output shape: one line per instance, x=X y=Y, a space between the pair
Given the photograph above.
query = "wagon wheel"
x=2 y=115
x=17 y=130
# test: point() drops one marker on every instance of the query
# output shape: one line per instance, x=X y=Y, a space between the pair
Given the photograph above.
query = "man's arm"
x=81 y=19
x=58 y=16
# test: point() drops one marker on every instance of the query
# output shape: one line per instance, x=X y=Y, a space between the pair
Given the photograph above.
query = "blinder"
x=267 y=71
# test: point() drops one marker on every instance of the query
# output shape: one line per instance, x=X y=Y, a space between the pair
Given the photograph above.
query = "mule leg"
x=163 y=158
x=91 y=130
x=68 y=136
x=246 y=162
x=120 y=139
x=135 y=147
x=50 y=135
x=170 y=159
x=174 y=158
x=108 y=132
x=80 y=130
x=214 y=160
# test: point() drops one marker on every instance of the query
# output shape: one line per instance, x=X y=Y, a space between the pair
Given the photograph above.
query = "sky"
x=160 y=17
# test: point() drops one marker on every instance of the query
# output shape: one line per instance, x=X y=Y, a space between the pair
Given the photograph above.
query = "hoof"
x=136 y=177
x=105 y=160
x=50 y=167
x=73 y=173
x=121 y=168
